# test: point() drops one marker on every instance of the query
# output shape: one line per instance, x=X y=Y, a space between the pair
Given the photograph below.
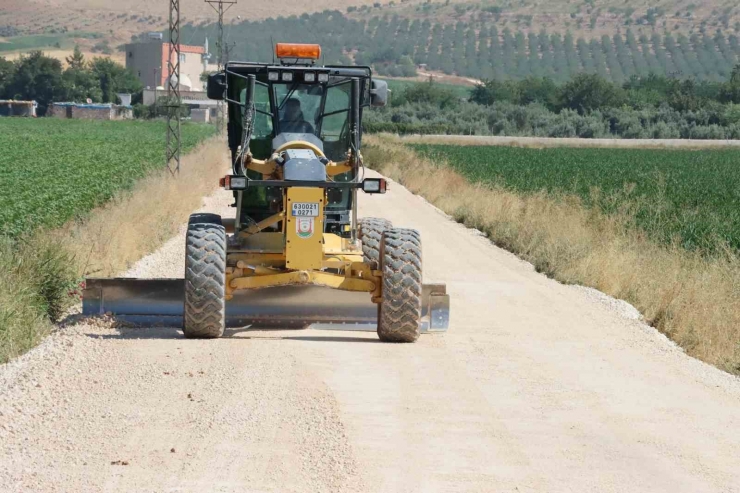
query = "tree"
x=588 y=92
x=81 y=84
x=7 y=72
x=77 y=60
x=407 y=67
x=427 y=92
x=538 y=90
x=683 y=97
x=492 y=91
x=113 y=78
x=730 y=92
x=37 y=77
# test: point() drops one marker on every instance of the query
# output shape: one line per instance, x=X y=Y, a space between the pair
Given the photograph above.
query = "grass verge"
x=691 y=297
x=136 y=222
x=42 y=270
x=34 y=291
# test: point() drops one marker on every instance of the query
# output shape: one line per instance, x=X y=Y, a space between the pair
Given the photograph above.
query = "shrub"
x=587 y=92
x=427 y=92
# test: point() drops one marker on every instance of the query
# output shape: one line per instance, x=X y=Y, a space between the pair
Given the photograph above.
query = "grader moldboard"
x=295 y=254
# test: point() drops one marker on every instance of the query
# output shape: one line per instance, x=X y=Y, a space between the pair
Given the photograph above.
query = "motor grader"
x=295 y=252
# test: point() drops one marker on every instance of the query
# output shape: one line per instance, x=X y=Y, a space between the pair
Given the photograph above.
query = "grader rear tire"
x=399 y=314
x=205 y=277
x=370 y=232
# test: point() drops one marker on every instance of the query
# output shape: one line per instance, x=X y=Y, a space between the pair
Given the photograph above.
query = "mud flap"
x=159 y=303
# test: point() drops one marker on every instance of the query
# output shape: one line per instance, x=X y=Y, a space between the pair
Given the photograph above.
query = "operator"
x=293 y=120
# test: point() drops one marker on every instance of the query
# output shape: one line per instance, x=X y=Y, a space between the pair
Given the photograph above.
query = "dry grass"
x=36 y=278
x=137 y=222
x=694 y=300
x=549 y=142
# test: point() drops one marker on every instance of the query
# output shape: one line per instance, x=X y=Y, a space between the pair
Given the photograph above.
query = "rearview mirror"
x=217 y=86
x=379 y=93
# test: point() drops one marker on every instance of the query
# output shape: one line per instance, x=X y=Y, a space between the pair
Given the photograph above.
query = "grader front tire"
x=205 y=277
x=399 y=317
x=370 y=233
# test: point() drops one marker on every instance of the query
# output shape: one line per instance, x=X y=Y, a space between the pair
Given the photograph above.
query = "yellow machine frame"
x=299 y=253
x=270 y=169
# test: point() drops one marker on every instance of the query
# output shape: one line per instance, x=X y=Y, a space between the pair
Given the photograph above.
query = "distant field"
x=692 y=197
x=43 y=41
x=33 y=42
x=54 y=170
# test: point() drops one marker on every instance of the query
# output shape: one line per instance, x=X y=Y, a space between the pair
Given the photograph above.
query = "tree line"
x=588 y=106
x=44 y=79
x=589 y=92
x=393 y=45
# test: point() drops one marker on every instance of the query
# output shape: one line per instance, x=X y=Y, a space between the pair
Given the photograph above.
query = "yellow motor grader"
x=295 y=253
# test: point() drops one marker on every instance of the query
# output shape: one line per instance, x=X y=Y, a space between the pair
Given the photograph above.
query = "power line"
x=173 y=91
x=218 y=6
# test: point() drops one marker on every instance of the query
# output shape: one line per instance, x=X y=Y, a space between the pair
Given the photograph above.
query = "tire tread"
x=399 y=317
x=370 y=232
x=205 y=277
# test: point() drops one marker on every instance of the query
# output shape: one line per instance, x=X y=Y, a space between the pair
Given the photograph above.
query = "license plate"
x=306 y=209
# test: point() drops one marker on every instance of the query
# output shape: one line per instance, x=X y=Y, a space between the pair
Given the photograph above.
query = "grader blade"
x=160 y=302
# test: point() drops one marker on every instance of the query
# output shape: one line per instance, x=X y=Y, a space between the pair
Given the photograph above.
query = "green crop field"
x=692 y=197
x=54 y=170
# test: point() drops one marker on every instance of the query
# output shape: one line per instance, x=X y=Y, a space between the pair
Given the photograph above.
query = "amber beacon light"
x=295 y=50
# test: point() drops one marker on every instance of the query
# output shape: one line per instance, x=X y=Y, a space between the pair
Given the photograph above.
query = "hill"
x=479 y=49
x=474 y=40
x=120 y=19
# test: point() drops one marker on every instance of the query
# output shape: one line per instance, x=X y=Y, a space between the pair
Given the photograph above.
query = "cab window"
x=262 y=131
x=335 y=121
x=299 y=106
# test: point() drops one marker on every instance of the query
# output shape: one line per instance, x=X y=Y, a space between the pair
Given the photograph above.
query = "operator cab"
x=296 y=100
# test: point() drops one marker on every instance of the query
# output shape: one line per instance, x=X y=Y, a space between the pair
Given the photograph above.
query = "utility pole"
x=173 y=90
x=227 y=51
x=221 y=6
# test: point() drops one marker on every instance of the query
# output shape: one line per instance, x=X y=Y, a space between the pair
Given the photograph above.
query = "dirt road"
x=537 y=387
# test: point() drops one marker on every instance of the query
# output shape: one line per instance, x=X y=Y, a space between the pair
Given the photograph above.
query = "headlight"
x=374 y=185
x=238 y=182
x=309 y=77
x=323 y=77
x=287 y=76
x=273 y=76
x=230 y=182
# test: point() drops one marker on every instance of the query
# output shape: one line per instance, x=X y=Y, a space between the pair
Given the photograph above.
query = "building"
x=148 y=60
x=200 y=115
x=17 y=108
x=90 y=111
x=192 y=99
